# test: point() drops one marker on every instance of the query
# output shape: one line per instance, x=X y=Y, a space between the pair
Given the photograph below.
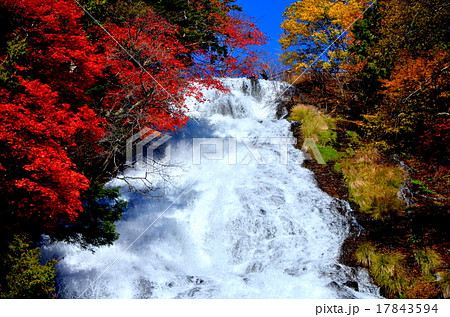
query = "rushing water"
x=248 y=223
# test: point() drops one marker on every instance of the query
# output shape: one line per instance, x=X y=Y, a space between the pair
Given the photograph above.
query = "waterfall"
x=234 y=215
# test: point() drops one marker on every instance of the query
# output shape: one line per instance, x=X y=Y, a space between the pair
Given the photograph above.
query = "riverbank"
x=418 y=229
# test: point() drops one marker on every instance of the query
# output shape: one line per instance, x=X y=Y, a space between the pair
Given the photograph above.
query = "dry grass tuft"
x=365 y=254
x=428 y=260
x=372 y=185
x=314 y=123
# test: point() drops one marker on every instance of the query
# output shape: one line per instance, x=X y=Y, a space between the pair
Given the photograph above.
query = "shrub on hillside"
x=25 y=276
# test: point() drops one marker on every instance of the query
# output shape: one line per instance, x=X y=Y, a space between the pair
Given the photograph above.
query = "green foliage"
x=372 y=185
x=95 y=225
x=353 y=143
x=329 y=154
x=24 y=275
x=422 y=187
x=327 y=136
x=337 y=167
x=15 y=50
x=415 y=239
x=195 y=22
x=353 y=138
x=428 y=260
x=350 y=152
x=94 y=5
x=366 y=33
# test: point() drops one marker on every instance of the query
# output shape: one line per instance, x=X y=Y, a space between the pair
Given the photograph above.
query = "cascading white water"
x=249 y=225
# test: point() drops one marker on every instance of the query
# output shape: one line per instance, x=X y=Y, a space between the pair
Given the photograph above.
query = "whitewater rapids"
x=239 y=224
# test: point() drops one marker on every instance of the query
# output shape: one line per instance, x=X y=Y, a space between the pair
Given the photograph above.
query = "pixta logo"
x=221 y=149
x=142 y=147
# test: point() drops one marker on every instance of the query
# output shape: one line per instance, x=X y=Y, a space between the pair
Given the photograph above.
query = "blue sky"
x=268 y=15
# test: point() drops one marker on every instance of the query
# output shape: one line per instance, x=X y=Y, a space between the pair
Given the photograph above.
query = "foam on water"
x=239 y=230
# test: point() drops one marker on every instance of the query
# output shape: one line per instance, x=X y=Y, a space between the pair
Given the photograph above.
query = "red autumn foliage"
x=54 y=129
x=38 y=176
x=148 y=89
x=46 y=115
x=416 y=101
x=58 y=53
x=239 y=35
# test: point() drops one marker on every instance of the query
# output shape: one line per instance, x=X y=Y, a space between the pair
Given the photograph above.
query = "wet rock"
x=145 y=288
x=255 y=267
x=196 y=280
x=342 y=292
x=193 y=291
x=292 y=271
x=334 y=285
x=353 y=285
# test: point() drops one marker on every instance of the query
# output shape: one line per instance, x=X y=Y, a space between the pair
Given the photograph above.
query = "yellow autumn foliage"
x=311 y=26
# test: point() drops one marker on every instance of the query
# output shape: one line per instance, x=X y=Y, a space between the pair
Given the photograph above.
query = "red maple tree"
x=44 y=112
x=72 y=92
